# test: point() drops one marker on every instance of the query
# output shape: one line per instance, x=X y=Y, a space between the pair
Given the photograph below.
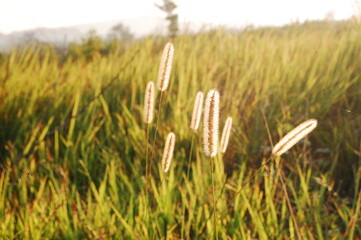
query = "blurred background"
x=62 y=22
x=74 y=146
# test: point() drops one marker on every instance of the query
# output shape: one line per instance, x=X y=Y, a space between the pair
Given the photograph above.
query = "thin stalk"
x=250 y=178
x=158 y=117
x=267 y=128
x=164 y=176
x=354 y=219
x=289 y=205
x=236 y=194
x=146 y=158
x=214 y=201
x=155 y=134
x=190 y=156
x=210 y=215
x=188 y=167
x=147 y=174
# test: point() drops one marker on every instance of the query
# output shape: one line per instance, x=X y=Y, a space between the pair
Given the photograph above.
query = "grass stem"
x=299 y=236
x=188 y=168
x=155 y=134
x=214 y=201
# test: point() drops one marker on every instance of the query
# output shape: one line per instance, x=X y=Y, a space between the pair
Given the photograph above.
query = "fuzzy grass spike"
x=210 y=124
x=197 y=111
x=165 y=67
x=225 y=134
x=168 y=152
x=149 y=103
x=294 y=136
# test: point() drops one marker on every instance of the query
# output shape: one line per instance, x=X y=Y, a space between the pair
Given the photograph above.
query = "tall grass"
x=85 y=179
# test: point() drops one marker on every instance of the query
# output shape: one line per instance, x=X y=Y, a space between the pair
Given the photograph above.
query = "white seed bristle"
x=294 y=136
x=225 y=134
x=149 y=103
x=165 y=67
x=210 y=124
x=168 y=152
x=197 y=111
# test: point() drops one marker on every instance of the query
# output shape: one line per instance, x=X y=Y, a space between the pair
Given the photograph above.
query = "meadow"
x=74 y=147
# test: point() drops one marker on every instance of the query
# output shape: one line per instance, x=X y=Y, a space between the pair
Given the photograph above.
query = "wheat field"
x=77 y=160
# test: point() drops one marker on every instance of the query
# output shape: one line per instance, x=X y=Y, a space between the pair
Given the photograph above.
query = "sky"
x=17 y=15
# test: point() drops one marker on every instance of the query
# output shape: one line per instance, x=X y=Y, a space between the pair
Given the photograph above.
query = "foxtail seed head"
x=294 y=136
x=165 y=67
x=225 y=134
x=197 y=111
x=149 y=103
x=168 y=152
x=210 y=124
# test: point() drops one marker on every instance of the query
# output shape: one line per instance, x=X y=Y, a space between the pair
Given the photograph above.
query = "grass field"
x=73 y=141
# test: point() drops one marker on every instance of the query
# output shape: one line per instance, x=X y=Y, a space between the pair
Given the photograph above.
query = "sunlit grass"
x=86 y=179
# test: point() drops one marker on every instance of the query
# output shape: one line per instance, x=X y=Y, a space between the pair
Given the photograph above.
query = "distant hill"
x=140 y=26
